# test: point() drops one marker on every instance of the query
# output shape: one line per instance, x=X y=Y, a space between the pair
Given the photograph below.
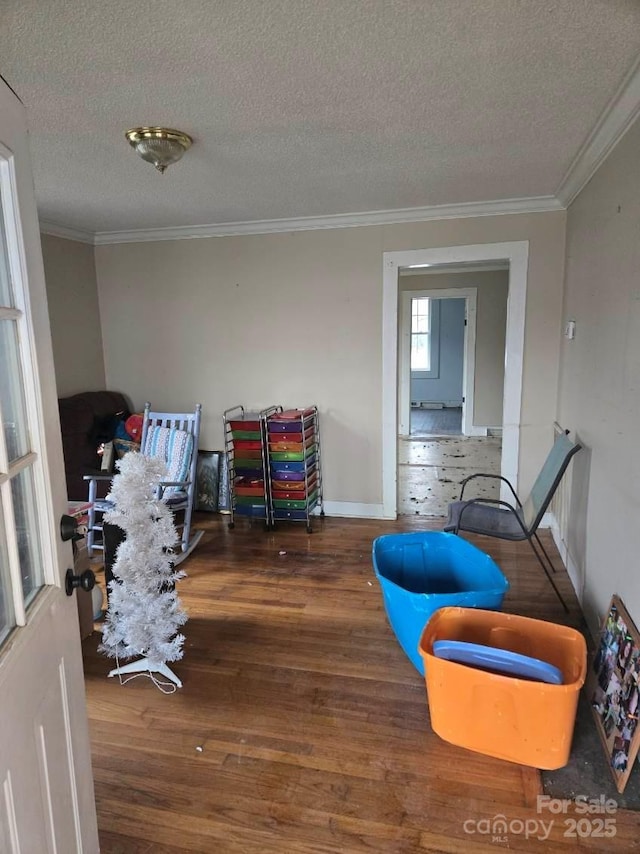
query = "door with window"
x=46 y=787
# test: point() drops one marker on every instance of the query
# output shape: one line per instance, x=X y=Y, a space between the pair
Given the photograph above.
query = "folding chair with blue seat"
x=173 y=438
x=519 y=521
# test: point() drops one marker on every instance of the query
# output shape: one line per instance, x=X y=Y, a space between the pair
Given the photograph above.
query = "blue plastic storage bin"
x=421 y=572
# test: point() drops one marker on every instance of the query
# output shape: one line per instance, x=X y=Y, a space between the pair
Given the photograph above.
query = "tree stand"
x=142 y=665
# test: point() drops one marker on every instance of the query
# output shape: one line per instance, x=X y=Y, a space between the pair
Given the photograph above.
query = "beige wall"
x=73 y=310
x=599 y=393
x=491 y=319
x=296 y=318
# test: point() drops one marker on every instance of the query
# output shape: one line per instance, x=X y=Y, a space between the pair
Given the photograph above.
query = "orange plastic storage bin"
x=504 y=716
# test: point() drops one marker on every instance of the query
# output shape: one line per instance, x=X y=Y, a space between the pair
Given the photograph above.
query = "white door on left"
x=46 y=787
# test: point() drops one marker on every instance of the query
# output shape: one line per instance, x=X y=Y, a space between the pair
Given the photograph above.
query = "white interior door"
x=46 y=788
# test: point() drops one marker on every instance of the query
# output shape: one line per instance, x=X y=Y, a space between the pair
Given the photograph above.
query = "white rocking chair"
x=173 y=437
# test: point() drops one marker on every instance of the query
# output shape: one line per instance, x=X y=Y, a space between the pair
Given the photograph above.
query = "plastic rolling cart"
x=245 y=449
x=295 y=472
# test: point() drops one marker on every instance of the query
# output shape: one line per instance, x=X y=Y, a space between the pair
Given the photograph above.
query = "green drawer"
x=247 y=434
x=248 y=499
x=284 y=504
x=291 y=456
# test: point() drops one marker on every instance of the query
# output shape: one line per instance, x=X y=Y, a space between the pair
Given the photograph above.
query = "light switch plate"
x=570 y=329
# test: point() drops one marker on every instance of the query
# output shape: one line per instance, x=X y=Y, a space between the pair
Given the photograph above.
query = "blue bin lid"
x=504 y=661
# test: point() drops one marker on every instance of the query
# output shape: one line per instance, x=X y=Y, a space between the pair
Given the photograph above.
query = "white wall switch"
x=570 y=329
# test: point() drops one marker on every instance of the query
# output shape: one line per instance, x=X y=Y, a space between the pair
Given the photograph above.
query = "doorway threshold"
x=431 y=471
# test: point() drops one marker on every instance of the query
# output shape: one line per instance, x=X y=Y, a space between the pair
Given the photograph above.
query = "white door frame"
x=470 y=296
x=516 y=253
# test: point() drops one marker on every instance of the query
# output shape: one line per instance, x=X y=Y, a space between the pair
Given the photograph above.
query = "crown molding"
x=535 y=204
x=615 y=120
x=54 y=230
x=618 y=116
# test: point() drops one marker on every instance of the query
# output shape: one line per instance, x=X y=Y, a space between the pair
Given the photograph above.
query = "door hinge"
x=464 y=399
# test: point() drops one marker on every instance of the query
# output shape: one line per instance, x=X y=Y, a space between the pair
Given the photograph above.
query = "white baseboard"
x=477 y=431
x=569 y=564
x=352 y=510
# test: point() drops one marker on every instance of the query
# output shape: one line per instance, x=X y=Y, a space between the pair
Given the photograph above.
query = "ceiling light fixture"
x=160 y=146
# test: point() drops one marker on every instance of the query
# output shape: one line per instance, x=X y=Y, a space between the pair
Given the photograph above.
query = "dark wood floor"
x=301 y=726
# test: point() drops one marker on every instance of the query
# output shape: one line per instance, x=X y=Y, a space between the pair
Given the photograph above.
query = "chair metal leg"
x=544 y=551
x=546 y=572
x=91 y=521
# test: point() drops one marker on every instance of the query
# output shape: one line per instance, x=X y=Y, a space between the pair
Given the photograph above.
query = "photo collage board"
x=614 y=690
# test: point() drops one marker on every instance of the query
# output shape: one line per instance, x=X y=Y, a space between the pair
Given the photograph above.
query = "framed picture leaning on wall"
x=613 y=688
x=208 y=481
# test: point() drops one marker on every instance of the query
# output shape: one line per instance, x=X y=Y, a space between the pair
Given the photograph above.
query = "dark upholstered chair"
x=82 y=421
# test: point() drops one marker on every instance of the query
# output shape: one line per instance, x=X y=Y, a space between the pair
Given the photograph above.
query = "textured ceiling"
x=307 y=107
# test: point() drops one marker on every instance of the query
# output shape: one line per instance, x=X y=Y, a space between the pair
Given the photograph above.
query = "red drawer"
x=247 y=445
x=241 y=424
x=293 y=486
x=248 y=486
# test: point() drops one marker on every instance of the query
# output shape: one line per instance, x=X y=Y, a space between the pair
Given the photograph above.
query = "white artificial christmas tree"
x=144 y=609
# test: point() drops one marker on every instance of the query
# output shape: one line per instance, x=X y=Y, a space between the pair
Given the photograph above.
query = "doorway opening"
x=455 y=399
x=437 y=359
x=512 y=257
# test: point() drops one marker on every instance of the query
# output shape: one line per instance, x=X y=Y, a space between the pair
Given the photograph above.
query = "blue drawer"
x=257 y=511
x=280 y=466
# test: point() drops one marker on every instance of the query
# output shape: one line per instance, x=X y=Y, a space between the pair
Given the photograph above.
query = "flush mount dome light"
x=160 y=146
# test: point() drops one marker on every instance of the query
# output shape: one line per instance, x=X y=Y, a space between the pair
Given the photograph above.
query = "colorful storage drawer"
x=293 y=486
x=248 y=463
x=247 y=434
x=241 y=445
x=251 y=421
x=249 y=486
x=293 y=445
x=291 y=441
x=249 y=499
x=288 y=476
x=292 y=456
x=290 y=426
x=293 y=515
x=248 y=472
x=299 y=504
x=293 y=415
x=294 y=494
x=249 y=454
x=281 y=467
x=258 y=511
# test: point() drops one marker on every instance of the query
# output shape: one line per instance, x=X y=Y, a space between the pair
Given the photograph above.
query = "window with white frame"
x=421 y=334
x=21 y=564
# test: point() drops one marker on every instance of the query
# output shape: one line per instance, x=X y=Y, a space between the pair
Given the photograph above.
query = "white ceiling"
x=302 y=108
